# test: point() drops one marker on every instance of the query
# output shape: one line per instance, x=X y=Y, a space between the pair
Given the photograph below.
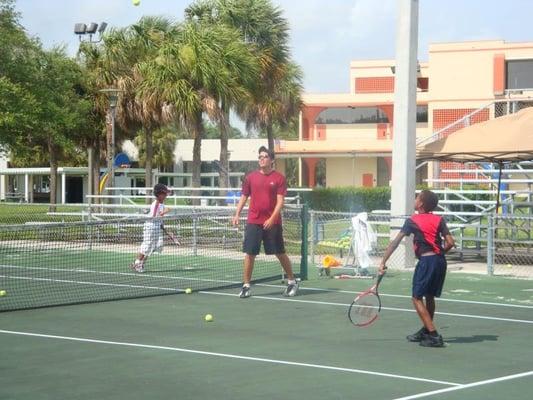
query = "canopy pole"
x=500 y=163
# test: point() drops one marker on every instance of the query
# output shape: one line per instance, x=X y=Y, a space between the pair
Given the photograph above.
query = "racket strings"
x=365 y=309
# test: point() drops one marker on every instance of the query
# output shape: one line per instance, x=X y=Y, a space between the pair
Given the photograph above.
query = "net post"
x=304 y=215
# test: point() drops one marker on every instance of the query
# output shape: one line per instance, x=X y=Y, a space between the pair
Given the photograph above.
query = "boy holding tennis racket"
x=153 y=228
x=267 y=189
x=428 y=231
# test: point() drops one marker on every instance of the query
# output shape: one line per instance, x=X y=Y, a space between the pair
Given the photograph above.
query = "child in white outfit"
x=152 y=231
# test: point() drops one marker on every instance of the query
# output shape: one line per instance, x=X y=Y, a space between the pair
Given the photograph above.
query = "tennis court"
x=264 y=347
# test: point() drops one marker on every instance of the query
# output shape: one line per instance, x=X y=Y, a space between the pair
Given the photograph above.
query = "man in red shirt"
x=267 y=189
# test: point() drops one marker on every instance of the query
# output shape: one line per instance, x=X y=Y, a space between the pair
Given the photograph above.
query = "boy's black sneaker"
x=432 y=341
x=417 y=336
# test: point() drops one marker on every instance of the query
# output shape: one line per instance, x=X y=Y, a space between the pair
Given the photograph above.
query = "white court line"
x=523 y=321
x=257 y=297
x=234 y=356
x=466 y=386
x=403 y=296
x=136 y=274
x=257 y=284
x=92 y=283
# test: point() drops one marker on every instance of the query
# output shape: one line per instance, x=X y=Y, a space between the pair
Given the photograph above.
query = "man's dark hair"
x=429 y=199
x=270 y=153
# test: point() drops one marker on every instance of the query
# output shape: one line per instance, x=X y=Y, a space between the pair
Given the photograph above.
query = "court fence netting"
x=49 y=264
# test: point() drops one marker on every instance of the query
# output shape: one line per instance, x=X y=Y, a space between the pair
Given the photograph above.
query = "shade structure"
x=499 y=140
x=503 y=139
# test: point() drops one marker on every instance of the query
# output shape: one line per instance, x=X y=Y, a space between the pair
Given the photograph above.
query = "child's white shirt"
x=155 y=215
x=156 y=209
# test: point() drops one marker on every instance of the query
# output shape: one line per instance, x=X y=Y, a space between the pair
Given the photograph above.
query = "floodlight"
x=93 y=26
x=80 y=29
x=102 y=27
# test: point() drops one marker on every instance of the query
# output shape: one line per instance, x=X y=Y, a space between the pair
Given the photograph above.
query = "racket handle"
x=380 y=278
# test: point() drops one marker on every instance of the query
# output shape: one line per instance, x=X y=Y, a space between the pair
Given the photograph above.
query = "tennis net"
x=57 y=264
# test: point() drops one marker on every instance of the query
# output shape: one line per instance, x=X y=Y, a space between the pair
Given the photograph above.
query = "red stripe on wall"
x=377 y=84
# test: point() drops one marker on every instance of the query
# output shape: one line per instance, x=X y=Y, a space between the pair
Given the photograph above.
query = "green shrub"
x=349 y=199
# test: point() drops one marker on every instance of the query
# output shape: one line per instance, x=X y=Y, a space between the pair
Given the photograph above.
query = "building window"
x=422 y=113
x=519 y=74
x=352 y=115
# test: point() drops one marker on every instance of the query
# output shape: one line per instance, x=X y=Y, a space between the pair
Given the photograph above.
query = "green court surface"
x=271 y=347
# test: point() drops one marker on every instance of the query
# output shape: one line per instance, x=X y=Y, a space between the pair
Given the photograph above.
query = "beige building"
x=350 y=134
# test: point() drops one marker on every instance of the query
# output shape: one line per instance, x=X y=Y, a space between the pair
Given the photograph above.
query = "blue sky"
x=325 y=34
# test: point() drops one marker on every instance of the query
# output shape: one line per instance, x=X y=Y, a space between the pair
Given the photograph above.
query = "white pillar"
x=404 y=144
x=63 y=188
x=26 y=188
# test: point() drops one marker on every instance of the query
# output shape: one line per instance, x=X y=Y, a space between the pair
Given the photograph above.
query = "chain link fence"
x=496 y=245
x=510 y=245
x=331 y=251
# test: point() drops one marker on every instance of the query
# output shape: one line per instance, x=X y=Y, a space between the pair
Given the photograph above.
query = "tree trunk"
x=197 y=156
x=149 y=157
x=270 y=136
x=96 y=170
x=223 y=170
x=52 y=150
x=91 y=189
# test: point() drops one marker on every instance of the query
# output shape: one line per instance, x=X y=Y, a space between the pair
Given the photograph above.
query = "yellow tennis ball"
x=209 y=317
x=188 y=290
x=136 y=2
x=3 y=292
x=509 y=265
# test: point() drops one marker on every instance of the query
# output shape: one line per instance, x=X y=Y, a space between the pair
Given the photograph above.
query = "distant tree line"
x=177 y=80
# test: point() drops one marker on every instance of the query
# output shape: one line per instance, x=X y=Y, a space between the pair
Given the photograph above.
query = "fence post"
x=490 y=245
x=314 y=237
x=304 y=253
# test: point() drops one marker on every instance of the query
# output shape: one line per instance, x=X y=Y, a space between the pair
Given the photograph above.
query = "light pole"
x=112 y=96
x=81 y=30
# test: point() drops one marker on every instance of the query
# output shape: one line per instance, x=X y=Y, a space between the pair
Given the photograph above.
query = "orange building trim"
x=499 y=74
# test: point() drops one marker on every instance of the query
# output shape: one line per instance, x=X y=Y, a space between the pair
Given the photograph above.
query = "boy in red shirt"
x=267 y=189
x=428 y=231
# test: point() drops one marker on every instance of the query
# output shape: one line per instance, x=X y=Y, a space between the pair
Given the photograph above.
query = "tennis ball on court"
x=208 y=317
x=2 y=293
x=509 y=265
x=188 y=290
x=135 y=2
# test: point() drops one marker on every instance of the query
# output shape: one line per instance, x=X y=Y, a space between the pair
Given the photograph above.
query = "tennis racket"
x=171 y=236
x=365 y=308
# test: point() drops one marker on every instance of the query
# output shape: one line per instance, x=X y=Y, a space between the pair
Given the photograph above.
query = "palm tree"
x=275 y=104
x=135 y=45
x=276 y=94
x=164 y=144
x=198 y=69
x=116 y=63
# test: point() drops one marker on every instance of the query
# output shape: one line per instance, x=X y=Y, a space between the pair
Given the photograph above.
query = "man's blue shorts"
x=429 y=276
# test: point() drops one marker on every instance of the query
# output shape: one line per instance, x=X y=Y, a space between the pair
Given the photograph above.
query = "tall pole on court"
x=404 y=142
